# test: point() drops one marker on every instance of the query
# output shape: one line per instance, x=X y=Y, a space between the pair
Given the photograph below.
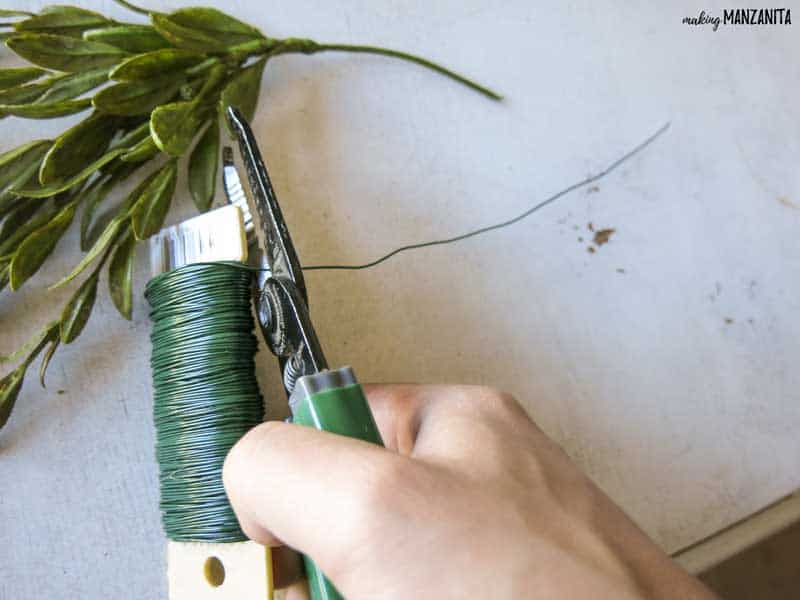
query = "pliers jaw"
x=280 y=294
x=268 y=222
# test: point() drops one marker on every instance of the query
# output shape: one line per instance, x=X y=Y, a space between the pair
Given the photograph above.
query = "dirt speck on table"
x=603 y=235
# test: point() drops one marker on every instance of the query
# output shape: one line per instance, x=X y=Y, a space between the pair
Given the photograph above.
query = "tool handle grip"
x=344 y=411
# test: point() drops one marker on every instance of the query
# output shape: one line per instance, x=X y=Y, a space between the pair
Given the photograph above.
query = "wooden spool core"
x=204 y=571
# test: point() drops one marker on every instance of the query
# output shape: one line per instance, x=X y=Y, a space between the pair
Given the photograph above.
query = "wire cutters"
x=330 y=400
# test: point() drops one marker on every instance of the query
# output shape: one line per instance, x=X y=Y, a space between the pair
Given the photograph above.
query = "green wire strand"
x=205 y=393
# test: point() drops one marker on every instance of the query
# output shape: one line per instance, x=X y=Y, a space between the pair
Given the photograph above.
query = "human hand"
x=468 y=500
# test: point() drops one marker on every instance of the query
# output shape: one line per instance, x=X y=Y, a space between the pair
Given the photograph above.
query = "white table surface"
x=673 y=384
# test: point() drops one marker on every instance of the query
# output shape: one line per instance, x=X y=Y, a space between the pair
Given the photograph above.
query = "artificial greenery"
x=161 y=86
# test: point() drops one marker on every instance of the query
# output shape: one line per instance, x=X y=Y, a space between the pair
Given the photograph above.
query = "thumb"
x=302 y=487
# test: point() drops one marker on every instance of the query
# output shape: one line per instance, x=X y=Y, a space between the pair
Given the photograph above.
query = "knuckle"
x=486 y=398
x=507 y=403
x=468 y=398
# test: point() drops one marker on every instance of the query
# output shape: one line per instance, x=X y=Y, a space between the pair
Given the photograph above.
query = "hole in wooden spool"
x=214 y=571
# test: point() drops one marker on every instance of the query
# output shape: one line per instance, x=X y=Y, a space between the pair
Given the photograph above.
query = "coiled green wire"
x=205 y=392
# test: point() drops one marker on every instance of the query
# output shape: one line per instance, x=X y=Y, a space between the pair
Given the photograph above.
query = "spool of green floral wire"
x=205 y=392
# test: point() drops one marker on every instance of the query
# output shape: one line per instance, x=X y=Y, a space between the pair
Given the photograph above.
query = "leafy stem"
x=132 y=7
x=275 y=47
x=304 y=46
x=202 y=67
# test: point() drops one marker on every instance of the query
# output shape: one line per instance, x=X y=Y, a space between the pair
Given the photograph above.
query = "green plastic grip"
x=339 y=406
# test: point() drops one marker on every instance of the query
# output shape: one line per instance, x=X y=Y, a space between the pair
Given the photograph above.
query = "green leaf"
x=216 y=23
x=133 y=136
x=56 y=88
x=25 y=93
x=63 y=20
x=144 y=150
x=109 y=235
x=216 y=75
x=77 y=147
x=132 y=98
x=116 y=166
x=4 y=276
x=242 y=91
x=10 y=385
x=23 y=222
x=37 y=341
x=157 y=63
x=20 y=159
x=120 y=274
x=71 y=86
x=48 y=355
x=56 y=188
x=16 y=218
x=9 y=203
x=46 y=111
x=9 y=199
x=37 y=246
x=14 y=13
x=150 y=209
x=121 y=170
x=184 y=37
x=203 y=164
x=190 y=90
x=95 y=194
x=14 y=77
x=19 y=352
x=131 y=38
x=64 y=53
x=203 y=29
x=173 y=126
x=76 y=312
x=133 y=197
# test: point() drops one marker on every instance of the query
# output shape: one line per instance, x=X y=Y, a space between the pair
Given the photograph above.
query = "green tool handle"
x=342 y=410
